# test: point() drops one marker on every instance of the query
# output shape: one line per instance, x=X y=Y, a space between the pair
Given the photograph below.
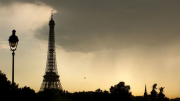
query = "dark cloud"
x=91 y=25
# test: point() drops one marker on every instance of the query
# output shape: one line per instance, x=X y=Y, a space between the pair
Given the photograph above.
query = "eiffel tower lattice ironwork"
x=51 y=78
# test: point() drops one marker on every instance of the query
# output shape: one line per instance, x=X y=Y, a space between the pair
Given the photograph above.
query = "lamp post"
x=13 y=42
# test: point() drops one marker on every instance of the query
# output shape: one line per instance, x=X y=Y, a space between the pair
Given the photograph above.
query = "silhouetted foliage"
x=118 y=92
x=121 y=92
x=45 y=95
x=27 y=94
x=5 y=85
x=99 y=90
x=9 y=92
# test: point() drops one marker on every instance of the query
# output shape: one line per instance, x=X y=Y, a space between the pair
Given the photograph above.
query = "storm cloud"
x=92 y=25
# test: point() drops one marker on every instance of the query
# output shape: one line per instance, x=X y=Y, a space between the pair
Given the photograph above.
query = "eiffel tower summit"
x=51 y=78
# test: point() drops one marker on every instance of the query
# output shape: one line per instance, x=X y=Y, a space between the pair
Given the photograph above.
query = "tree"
x=121 y=92
x=45 y=95
x=120 y=88
x=5 y=85
x=6 y=90
x=98 y=90
x=105 y=92
x=27 y=91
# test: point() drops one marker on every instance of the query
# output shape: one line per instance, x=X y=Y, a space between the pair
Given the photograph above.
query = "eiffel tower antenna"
x=51 y=14
x=51 y=78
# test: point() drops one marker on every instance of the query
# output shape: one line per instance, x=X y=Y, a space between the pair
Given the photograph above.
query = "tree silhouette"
x=6 y=90
x=5 y=85
x=121 y=92
x=45 y=95
x=98 y=90
x=120 y=88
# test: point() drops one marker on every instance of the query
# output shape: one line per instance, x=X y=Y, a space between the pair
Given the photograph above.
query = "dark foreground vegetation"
x=118 y=92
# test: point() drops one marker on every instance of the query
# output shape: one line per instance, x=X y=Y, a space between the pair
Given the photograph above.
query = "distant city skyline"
x=98 y=43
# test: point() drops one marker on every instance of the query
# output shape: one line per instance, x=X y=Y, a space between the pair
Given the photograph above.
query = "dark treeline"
x=118 y=92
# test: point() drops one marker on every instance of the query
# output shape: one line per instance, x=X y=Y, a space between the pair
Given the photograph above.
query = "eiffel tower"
x=51 y=77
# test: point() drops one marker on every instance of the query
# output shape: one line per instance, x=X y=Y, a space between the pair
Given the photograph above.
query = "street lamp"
x=13 y=42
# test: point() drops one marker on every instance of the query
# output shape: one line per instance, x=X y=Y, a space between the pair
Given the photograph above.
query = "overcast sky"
x=106 y=41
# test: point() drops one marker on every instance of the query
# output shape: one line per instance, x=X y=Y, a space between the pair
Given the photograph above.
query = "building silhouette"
x=51 y=78
x=145 y=97
x=145 y=94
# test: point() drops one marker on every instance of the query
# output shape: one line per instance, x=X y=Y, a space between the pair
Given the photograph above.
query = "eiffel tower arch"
x=51 y=78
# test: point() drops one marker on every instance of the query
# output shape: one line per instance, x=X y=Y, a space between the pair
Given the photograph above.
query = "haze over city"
x=98 y=43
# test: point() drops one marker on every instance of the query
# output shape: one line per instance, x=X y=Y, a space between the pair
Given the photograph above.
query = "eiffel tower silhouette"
x=51 y=78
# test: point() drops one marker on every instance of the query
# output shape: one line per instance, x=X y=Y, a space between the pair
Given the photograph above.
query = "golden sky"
x=105 y=41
